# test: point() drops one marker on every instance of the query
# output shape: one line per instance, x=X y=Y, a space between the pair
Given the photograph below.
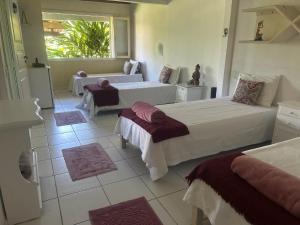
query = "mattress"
x=152 y=92
x=77 y=83
x=284 y=155
x=215 y=125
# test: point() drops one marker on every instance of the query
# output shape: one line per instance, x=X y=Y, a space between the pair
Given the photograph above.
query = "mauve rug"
x=68 y=118
x=133 y=212
x=87 y=160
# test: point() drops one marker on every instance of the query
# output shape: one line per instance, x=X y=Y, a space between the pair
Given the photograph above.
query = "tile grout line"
x=124 y=158
x=157 y=199
x=56 y=189
x=167 y=211
x=77 y=192
x=104 y=191
x=58 y=199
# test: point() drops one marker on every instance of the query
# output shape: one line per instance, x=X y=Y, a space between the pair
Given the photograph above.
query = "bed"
x=215 y=125
x=152 y=92
x=77 y=83
x=284 y=155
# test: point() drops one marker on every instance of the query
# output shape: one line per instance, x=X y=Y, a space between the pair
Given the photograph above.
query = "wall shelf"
x=254 y=42
x=281 y=23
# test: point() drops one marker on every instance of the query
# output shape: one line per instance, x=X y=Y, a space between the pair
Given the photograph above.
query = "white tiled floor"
x=66 y=202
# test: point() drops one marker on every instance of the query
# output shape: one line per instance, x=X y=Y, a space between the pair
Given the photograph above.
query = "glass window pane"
x=121 y=37
x=73 y=37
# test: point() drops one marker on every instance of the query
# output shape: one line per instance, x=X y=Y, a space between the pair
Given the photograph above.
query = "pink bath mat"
x=87 y=161
x=133 y=212
x=68 y=118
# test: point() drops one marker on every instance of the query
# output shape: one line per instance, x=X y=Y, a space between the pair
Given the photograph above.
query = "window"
x=85 y=36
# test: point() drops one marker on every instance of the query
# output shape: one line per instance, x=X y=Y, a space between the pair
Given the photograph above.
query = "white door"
x=13 y=49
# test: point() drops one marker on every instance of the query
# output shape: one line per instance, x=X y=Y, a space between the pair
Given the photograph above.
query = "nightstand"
x=287 y=124
x=187 y=92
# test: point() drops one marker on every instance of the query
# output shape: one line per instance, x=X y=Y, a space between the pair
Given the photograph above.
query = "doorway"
x=12 y=49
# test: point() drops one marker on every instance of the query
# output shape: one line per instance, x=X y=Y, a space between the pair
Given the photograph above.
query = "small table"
x=287 y=124
x=187 y=92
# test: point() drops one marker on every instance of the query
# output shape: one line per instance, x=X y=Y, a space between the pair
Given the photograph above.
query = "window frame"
x=127 y=19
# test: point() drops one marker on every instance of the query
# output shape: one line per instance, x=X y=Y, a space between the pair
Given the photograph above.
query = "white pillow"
x=134 y=68
x=174 y=78
x=269 y=90
x=127 y=67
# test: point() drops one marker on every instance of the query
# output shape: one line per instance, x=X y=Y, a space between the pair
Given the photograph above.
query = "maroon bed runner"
x=103 y=96
x=170 y=128
x=254 y=206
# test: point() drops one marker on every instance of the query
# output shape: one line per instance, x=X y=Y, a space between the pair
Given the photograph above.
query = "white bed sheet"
x=215 y=125
x=77 y=83
x=154 y=93
x=284 y=155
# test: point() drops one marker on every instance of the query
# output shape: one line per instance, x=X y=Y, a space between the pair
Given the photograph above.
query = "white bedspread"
x=77 y=83
x=284 y=155
x=215 y=125
x=154 y=93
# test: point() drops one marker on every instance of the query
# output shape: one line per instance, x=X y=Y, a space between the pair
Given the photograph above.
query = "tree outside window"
x=77 y=39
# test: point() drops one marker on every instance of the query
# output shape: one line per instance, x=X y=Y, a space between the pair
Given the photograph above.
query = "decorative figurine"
x=259 y=34
x=196 y=76
x=37 y=64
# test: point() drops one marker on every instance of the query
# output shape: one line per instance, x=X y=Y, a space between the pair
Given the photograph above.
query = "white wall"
x=62 y=71
x=190 y=31
x=266 y=59
x=33 y=37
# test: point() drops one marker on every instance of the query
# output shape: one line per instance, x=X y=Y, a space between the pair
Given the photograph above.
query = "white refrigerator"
x=41 y=86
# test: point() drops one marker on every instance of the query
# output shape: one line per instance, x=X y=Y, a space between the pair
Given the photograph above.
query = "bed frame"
x=123 y=142
x=197 y=216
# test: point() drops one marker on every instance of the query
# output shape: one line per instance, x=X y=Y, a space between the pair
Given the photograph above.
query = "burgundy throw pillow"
x=247 y=92
x=165 y=75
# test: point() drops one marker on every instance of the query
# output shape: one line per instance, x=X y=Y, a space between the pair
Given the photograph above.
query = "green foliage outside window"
x=80 y=38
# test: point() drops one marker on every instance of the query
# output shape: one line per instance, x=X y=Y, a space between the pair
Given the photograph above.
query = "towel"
x=148 y=112
x=103 y=83
x=256 y=208
x=169 y=128
x=277 y=185
x=81 y=74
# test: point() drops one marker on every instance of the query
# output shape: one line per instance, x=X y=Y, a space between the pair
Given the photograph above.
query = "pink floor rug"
x=68 y=118
x=87 y=160
x=133 y=212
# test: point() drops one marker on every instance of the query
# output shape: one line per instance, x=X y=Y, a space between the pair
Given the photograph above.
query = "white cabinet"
x=189 y=92
x=19 y=183
x=41 y=86
x=287 y=122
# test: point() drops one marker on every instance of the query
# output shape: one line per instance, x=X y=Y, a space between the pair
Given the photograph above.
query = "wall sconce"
x=225 y=32
x=160 y=48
